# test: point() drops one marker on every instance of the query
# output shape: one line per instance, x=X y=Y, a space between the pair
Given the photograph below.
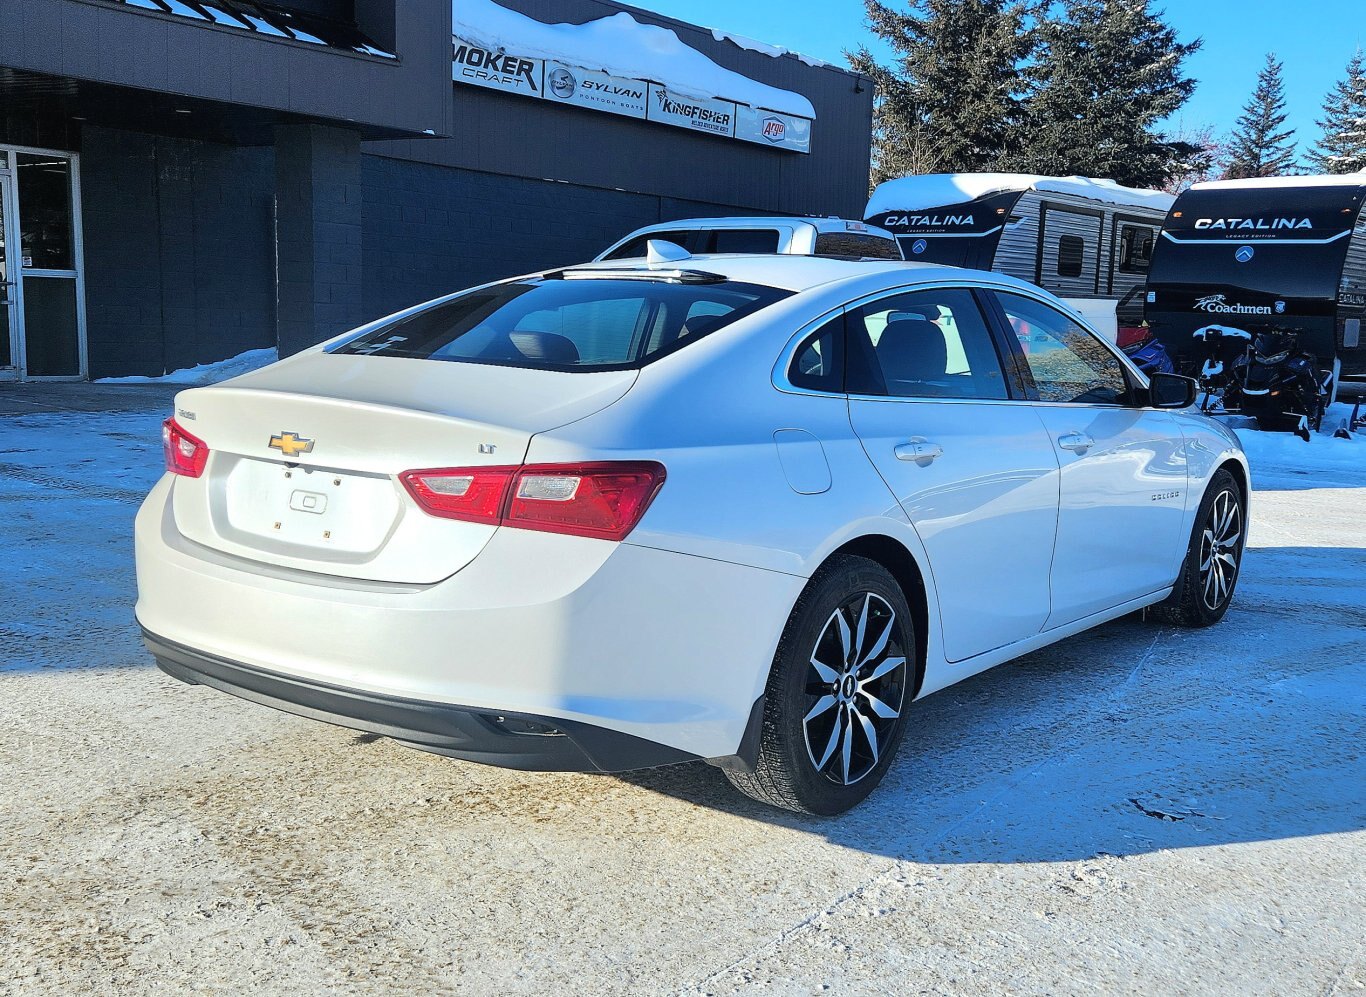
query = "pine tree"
x=952 y=100
x=1343 y=146
x=1107 y=72
x=1206 y=163
x=1258 y=146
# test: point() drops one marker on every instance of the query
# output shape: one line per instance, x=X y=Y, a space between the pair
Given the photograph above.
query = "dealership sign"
x=645 y=100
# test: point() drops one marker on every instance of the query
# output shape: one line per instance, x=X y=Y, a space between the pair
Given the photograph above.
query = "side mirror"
x=1171 y=390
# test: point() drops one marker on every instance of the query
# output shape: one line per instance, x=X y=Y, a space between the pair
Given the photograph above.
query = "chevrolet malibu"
x=744 y=509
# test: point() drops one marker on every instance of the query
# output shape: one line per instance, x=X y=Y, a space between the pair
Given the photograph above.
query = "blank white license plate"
x=327 y=510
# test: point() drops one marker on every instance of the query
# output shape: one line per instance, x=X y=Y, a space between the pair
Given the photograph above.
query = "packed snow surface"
x=1272 y=183
x=623 y=46
x=1283 y=460
x=1138 y=809
x=205 y=373
x=937 y=190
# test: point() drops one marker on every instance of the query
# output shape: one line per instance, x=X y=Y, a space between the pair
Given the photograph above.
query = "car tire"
x=1214 y=558
x=837 y=696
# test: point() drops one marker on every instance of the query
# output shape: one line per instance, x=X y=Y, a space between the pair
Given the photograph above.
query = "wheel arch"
x=905 y=569
x=897 y=558
x=1235 y=467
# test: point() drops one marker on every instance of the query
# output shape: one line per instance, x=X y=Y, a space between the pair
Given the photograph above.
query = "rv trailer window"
x=1071 y=255
x=1135 y=248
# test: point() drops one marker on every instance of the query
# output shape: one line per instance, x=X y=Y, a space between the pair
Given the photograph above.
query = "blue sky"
x=1314 y=38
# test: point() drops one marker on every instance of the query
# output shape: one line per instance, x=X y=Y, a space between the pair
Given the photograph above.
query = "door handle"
x=1078 y=443
x=921 y=452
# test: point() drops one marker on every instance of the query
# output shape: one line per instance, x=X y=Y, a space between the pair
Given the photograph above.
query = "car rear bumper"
x=509 y=740
x=662 y=648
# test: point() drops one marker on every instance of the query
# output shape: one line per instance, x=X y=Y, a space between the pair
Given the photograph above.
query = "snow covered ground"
x=205 y=373
x=1141 y=809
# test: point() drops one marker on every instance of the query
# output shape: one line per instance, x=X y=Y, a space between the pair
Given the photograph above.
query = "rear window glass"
x=567 y=324
x=743 y=240
x=856 y=244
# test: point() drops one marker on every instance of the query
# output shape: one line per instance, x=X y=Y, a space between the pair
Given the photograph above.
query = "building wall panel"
x=179 y=265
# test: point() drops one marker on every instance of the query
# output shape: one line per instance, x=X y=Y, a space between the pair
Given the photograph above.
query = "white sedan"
x=744 y=509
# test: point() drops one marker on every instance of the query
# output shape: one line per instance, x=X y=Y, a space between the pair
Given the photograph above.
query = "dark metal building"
x=182 y=181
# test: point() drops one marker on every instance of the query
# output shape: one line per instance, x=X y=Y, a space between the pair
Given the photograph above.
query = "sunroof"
x=268 y=20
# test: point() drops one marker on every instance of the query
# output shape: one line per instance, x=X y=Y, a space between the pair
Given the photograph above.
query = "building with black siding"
x=181 y=182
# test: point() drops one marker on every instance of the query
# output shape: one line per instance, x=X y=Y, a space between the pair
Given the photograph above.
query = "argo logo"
x=561 y=83
x=1244 y=254
x=775 y=129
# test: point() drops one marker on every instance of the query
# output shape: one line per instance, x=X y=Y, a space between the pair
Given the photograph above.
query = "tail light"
x=472 y=494
x=185 y=454
x=604 y=500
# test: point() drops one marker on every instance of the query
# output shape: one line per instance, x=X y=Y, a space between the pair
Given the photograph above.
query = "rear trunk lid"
x=305 y=457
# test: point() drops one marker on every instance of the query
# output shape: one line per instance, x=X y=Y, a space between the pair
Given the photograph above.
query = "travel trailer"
x=1281 y=254
x=1087 y=241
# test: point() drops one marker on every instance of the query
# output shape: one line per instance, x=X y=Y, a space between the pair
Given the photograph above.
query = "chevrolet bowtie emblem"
x=291 y=445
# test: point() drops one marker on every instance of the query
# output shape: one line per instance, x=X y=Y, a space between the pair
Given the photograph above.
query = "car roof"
x=820 y=224
x=801 y=273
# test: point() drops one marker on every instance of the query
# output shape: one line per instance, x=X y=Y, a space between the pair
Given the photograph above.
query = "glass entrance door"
x=50 y=323
x=8 y=284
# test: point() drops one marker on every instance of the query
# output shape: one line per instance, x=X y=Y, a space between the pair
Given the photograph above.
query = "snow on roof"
x=939 y=190
x=1271 y=183
x=776 y=51
x=623 y=46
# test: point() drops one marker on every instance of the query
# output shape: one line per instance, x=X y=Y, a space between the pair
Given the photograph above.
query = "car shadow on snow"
x=1132 y=738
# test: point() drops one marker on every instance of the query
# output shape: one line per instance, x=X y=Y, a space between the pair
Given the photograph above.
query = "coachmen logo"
x=290 y=444
x=1216 y=304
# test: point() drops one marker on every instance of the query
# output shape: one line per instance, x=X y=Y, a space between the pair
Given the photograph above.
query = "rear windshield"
x=856 y=244
x=562 y=324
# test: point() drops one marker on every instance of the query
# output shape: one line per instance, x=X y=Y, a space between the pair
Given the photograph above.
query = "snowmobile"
x=1221 y=347
x=1279 y=385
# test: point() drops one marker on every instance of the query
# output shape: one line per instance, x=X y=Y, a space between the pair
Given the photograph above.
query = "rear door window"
x=924 y=344
x=562 y=323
